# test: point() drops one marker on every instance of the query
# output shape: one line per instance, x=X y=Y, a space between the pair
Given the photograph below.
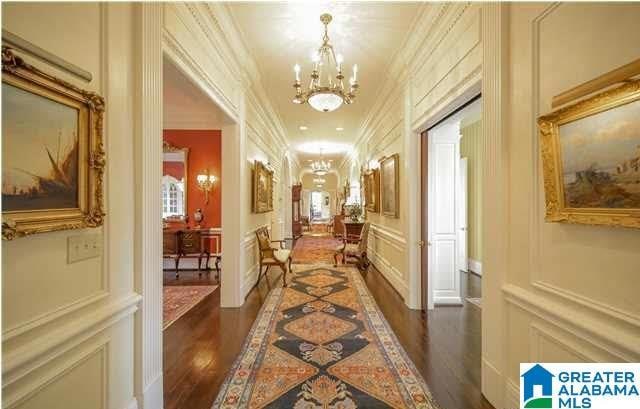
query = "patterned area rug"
x=178 y=299
x=315 y=250
x=322 y=343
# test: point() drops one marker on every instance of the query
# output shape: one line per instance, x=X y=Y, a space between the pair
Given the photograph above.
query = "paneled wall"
x=471 y=148
x=67 y=328
x=439 y=58
x=572 y=289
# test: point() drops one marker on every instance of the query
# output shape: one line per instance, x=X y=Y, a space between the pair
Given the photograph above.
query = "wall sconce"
x=205 y=183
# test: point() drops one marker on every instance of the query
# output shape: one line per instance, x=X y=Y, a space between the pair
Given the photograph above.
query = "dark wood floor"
x=444 y=344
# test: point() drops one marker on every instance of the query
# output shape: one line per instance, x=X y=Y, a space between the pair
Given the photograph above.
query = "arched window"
x=172 y=197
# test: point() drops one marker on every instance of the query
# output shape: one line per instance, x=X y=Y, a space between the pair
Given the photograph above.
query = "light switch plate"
x=83 y=247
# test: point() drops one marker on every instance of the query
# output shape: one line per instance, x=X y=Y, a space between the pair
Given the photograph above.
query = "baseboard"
x=152 y=397
x=133 y=404
x=493 y=385
x=447 y=300
x=475 y=266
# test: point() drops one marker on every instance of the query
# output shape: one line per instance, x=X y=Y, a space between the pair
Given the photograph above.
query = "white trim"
x=511 y=394
x=152 y=396
x=475 y=266
x=39 y=351
x=621 y=342
x=389 y=272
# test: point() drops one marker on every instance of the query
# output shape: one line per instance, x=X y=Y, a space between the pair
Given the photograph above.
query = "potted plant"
x=355 y=211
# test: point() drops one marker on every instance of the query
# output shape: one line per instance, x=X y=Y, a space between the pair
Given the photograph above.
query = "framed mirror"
x=175 y=167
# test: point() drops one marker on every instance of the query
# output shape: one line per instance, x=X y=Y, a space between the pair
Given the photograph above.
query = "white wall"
x=67 y=329
x=571 y=289
x=437 y=63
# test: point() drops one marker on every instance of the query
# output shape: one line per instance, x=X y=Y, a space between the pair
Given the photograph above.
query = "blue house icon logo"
x=537 y=388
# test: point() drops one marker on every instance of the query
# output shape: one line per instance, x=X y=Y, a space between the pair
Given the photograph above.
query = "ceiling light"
x=329 y=148
x=303 y=128
x=339 y=129
x=330 y=95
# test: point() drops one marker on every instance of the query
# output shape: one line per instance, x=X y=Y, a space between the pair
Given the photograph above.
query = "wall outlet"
x=83 y=247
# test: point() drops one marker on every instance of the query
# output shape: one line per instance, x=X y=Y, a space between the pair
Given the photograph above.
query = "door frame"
x=462 y=211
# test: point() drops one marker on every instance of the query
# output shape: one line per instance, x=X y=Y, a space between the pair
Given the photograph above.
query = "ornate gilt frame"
x=258 y=169
x=556 y=211
x=371 y=182
x=167 y=148
x=396 y=165
x=92 y=158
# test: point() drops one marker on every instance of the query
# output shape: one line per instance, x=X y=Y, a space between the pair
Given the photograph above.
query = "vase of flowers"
x=355 y=211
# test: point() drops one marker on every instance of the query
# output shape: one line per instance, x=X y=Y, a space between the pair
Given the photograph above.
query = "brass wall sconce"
x=205 y=183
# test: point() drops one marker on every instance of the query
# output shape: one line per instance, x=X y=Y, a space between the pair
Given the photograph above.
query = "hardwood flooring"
x=444 y=344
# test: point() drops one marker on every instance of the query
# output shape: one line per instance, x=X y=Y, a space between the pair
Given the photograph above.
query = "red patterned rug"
x=315 y=249
x=323 y=343
x=178 y=299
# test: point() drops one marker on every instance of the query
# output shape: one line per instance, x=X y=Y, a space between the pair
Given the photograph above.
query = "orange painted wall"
x=205 y=149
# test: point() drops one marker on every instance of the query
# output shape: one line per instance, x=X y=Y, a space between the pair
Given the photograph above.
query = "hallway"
x=201 y=347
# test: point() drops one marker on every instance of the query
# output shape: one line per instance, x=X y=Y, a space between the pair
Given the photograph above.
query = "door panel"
x=463 y=231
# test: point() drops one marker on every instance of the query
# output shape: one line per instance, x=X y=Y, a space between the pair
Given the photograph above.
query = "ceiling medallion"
x=330 y=95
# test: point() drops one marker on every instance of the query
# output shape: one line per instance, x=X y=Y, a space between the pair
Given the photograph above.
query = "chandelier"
x=330 y=95
x=320 y=167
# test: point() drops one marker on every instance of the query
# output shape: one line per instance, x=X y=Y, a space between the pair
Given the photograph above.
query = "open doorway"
x=192 y=204
x=452 y=190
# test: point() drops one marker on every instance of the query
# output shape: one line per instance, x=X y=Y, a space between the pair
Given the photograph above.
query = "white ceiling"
x=186 y=106
x=281 y=34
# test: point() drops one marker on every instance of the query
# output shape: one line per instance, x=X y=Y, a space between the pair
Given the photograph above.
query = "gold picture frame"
x=602 y=193
x=262 y=188
x=70 y=194
x=371 y=183
x=390 y=185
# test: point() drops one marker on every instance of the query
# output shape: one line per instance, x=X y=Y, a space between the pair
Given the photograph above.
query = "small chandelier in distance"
x=320 y=167
x=329 y=96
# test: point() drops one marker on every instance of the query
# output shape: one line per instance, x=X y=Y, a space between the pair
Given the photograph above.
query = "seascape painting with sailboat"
x=39 y=153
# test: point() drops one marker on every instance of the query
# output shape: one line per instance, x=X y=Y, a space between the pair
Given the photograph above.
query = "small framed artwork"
x=347 y=190
x=262 y=188
x=390 y=180
x=591 y=159
x=52 y=152
x=371 y=182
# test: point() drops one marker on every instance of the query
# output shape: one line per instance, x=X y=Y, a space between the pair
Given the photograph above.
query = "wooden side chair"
x=272 y=256
x=354 y=247
x=192 y=246
x=338 y=225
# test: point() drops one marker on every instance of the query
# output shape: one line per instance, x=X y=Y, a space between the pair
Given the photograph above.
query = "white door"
x=463 y=259
x=443 y=162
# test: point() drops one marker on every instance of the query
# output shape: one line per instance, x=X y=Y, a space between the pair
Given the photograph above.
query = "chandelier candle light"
x=320 y=167
x=205 y=183
x=329 y=96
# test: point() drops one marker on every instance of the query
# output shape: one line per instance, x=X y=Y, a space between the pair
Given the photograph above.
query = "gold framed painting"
x=52 y=155
x=591 y=159
x=390 y=185
x=371 y=183
x=262 y=188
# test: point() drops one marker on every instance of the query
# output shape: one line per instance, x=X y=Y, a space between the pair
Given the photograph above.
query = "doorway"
x=451 y=174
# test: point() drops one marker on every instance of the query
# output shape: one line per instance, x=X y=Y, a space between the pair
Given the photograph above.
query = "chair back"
x=338 y=225
x=190 y=242
x=264 y=242
x=364 y=236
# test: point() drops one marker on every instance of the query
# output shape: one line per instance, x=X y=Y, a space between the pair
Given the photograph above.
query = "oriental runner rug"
x=322 y=343
x=177 y=300
x=315 y=250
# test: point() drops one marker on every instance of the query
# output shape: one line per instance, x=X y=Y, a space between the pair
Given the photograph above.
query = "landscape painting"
x=590 y=153
x=39 y=152
x=390 y=181
x=600 y=156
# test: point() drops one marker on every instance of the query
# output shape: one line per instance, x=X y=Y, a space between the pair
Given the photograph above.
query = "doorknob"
x=421 y=243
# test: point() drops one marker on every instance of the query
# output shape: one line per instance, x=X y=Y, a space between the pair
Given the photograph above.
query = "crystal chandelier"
x=330 y=95
x=320 y=167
